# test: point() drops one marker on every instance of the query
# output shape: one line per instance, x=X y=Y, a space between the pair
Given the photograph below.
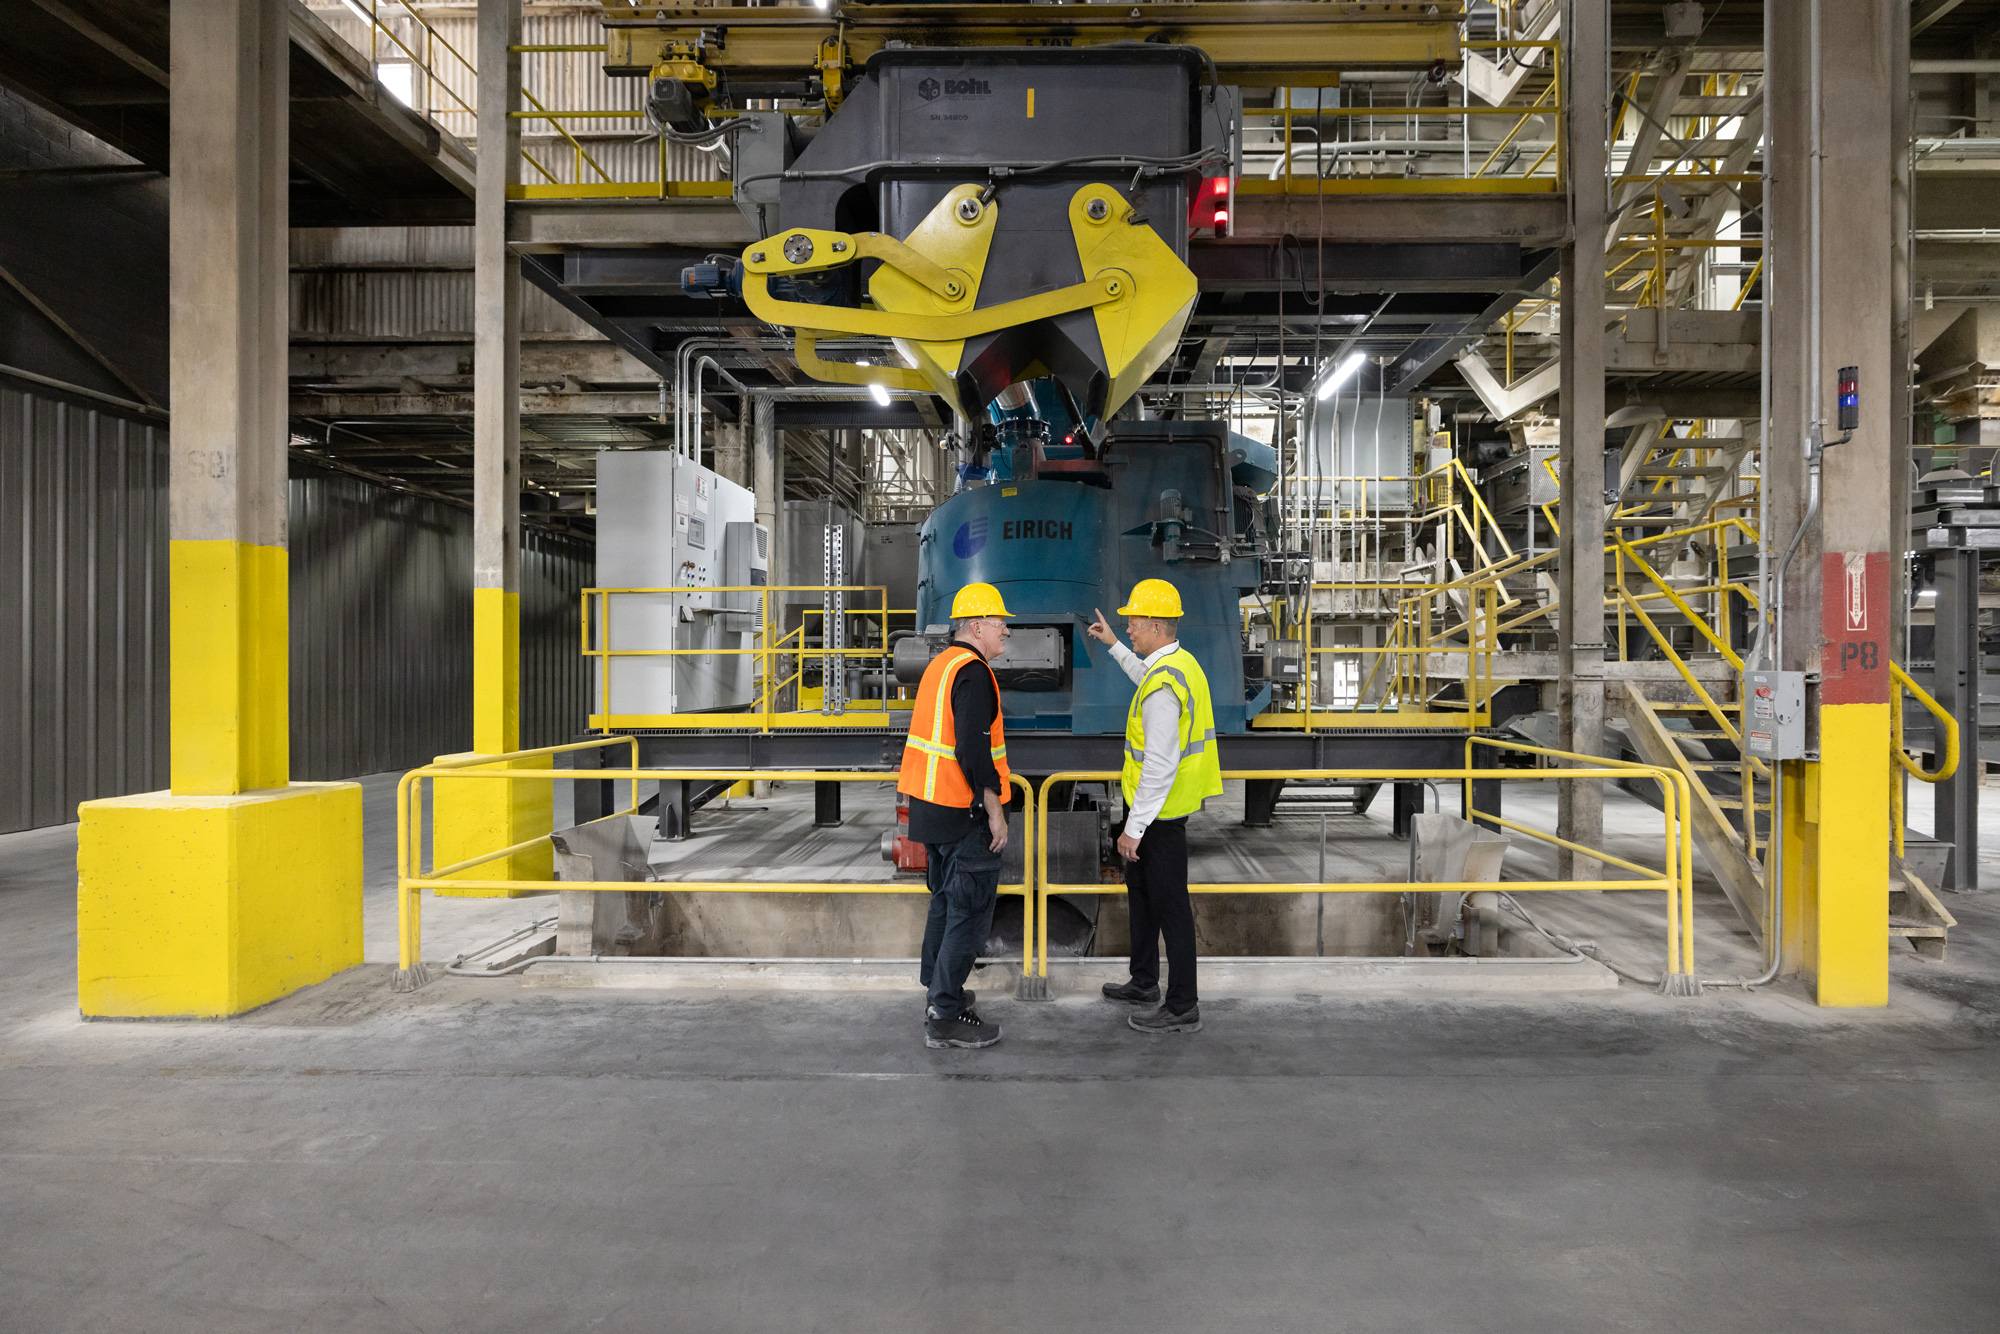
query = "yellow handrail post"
x=1899 y=681
x=1306 y=633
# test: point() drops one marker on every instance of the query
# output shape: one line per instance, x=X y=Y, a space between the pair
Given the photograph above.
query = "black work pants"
x=964 y=877
x=1156 y=888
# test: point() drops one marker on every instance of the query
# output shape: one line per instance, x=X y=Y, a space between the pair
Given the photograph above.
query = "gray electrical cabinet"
x=665 y=522
x=1774 y=715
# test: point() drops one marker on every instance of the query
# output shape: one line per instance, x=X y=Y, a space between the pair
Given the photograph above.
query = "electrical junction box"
x=1285 y=661
x=1034 y=658
x=1774 y=723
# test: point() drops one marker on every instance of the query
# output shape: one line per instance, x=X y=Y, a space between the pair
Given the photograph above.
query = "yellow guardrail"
x=772 y=648
x=1899 y=681
x=1284 y=180
x=1676 y=797
x=372 y=16
x=412 y=878
x=1675 y=876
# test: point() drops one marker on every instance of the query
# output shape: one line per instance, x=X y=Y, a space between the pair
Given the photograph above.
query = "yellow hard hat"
x=1153 y=597
x=978 y=600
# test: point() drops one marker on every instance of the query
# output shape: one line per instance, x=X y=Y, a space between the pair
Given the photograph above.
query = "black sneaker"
x=967 y=1030
x=930 y=1011
x=1129 y=990
x=1164 y=1020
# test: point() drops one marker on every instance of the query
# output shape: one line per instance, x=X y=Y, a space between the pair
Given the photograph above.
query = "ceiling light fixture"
x=1338 y=376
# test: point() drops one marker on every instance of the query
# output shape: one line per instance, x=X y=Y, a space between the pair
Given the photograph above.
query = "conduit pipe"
x=1772 y=633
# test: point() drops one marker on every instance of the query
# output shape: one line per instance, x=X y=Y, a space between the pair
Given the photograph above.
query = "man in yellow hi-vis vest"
x=955 y=778
x=1171 y=766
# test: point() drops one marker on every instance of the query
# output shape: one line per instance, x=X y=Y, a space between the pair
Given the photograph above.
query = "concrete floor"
x=481 y=1156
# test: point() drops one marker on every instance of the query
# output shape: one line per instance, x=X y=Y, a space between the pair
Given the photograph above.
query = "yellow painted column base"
x=206 y=907
x=472 y=816
x=1847 y=910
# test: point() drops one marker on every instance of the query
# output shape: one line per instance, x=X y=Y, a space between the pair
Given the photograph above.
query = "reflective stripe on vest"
x=930 y=769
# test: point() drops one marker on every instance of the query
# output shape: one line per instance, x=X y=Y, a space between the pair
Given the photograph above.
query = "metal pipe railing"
x=412 y=878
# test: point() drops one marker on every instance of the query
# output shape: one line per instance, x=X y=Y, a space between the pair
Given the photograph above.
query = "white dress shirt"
x=1160 y=719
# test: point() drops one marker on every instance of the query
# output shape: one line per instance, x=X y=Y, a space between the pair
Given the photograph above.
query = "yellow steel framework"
x=1268 y=43
x=1284 y=44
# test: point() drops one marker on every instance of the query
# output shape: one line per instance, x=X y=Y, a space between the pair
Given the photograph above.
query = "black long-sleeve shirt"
x=974 y=706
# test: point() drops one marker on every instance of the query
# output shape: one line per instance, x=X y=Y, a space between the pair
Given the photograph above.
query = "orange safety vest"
x=930 y=756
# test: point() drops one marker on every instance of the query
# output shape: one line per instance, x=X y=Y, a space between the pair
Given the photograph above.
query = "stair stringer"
x=1741 y=879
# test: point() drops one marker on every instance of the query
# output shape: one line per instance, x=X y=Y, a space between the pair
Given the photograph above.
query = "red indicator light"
x=1222 y=217
x=1221 y=185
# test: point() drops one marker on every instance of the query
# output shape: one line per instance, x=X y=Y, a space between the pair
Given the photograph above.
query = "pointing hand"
x=1100 y=630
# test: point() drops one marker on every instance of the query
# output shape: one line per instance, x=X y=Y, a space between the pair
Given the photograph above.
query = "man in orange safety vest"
x=955 y=778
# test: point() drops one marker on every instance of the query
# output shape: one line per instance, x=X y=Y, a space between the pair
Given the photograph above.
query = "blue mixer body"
x=1060 y=550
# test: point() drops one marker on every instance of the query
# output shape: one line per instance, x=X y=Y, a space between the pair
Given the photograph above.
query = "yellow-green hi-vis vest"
x=1199 y=774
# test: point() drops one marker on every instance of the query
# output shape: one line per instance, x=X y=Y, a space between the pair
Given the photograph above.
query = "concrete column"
x=1580 y=661
x=229 y=328
x=235 y=887
x=1787 y=484
x=767 y=482
x=855 y=450
x=1840 y=622
x=732 y=452
x=1901 y=354
x=764 y=463
x=474 y=817
x=496 y=399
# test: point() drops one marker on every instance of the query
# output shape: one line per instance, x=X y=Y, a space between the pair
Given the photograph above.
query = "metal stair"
x=1716 y=788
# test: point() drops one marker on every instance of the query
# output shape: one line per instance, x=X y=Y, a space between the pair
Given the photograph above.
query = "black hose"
x=714 y=134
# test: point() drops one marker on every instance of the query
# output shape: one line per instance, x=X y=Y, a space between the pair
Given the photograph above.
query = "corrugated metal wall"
x=400 y=282
x=381 y=619
x=555 y=677
x=382 y=630
x=381 y=613
x=83 y=620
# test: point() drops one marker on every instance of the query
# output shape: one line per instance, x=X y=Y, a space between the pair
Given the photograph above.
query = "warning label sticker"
x=1854 y=668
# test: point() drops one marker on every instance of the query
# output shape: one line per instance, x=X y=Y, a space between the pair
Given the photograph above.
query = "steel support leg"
x=1486 y=799
x=1957 y=688
x=593 y=801
x=676 y=809
x=1409 y=800
x=826 y=805
x=1260 y=801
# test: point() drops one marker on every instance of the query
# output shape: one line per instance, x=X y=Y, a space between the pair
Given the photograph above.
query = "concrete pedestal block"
x=472 y=816
x=1260 y=925
x=795 y=925
x=206 y=907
